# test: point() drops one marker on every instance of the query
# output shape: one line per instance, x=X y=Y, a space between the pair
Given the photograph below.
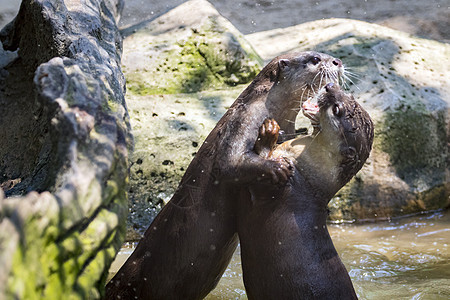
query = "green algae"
x=211 y=57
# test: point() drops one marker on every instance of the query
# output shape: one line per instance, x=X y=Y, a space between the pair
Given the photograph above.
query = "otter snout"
x=337 y=62
x=330 y=86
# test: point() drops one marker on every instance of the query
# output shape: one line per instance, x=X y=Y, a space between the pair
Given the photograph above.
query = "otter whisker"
x=351 y=81
x=348 y=76
x=314 y=79
x=303 y=92
x=303 y=87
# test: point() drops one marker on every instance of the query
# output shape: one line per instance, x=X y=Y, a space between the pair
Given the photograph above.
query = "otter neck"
x=284 y=112
x=323 y=158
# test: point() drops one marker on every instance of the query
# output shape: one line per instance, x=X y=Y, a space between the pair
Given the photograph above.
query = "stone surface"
x=168 y=130
x=403 y=83
x=166 y=62
x=191 y=48
x=64 y=167
x=8 y=10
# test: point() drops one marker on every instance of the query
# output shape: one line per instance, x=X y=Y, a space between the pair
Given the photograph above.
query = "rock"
x=168 y=131
x=8 y=10
x=190 y=48
x=6 y=57
x=64 y=166
x=403 y=82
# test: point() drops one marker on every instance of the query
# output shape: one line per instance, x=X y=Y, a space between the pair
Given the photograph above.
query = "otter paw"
x=280 y=170
x=267 y=138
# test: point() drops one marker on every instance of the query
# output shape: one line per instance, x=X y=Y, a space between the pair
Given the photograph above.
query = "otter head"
x=345 y=134
x=290 y=79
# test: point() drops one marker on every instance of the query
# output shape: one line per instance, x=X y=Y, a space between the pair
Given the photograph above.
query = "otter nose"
x=337 y=62
x=329 y=87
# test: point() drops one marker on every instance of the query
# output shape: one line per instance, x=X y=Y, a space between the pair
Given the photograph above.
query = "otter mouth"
x=311 y=109
x=310 y=106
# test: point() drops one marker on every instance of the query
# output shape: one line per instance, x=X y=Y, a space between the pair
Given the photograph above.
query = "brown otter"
x=186 y=249
x=286 y=250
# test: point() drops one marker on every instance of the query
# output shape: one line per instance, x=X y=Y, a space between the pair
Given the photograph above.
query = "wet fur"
x=286 y=249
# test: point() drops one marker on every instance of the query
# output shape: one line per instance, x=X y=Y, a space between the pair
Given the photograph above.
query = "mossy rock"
x=168 y=130
x=189 y=49
x=64 y=170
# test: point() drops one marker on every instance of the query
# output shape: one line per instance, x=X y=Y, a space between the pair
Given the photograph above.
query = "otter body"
x=186 y=249
x=286 y=250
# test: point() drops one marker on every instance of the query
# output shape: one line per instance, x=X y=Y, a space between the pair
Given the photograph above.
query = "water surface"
x=407 y=258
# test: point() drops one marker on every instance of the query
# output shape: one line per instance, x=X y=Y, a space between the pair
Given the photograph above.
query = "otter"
x=188 y=246
x=286 y=250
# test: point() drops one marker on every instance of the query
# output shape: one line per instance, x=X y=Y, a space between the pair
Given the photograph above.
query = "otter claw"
x=281 y=170
x=267 y=138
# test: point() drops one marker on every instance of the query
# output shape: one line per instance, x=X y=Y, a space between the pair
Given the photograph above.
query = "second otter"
x=286 y=250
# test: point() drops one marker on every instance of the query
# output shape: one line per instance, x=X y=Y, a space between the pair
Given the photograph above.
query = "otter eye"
x=315 y=60
x=337 y=111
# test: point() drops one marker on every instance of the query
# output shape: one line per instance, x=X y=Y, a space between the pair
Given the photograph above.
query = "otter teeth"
x=311 y=111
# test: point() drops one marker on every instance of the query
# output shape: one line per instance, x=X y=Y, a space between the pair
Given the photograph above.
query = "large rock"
x=190 y=48
x=64 y=132
x=403 y=83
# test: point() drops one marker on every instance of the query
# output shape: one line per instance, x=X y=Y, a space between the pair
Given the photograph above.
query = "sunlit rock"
x=188 y=49
x=403 y=83
x=64 y=136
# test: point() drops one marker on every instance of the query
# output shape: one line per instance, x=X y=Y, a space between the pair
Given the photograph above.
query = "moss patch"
x=208 y=55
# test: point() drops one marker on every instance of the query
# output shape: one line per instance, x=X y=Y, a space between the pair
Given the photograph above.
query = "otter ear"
x=283 y=63
x=350 y=153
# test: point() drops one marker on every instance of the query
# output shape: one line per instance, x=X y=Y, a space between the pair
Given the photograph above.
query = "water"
x=402 y=259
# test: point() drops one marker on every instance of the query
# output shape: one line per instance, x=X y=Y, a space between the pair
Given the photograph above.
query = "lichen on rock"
x=65 y=171
x=167 y=136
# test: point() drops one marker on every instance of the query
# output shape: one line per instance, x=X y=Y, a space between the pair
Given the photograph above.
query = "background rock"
x=428 y=19
x=175 y=54
x=179 y=54
x=403 y=83
x=64 y=165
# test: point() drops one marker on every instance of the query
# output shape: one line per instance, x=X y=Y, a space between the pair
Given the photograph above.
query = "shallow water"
x=402 y=259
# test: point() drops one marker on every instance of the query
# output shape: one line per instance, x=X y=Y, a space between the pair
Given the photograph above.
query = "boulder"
x=166 y=63
x=402 y=81
x=188 y=49
x=64 y=151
